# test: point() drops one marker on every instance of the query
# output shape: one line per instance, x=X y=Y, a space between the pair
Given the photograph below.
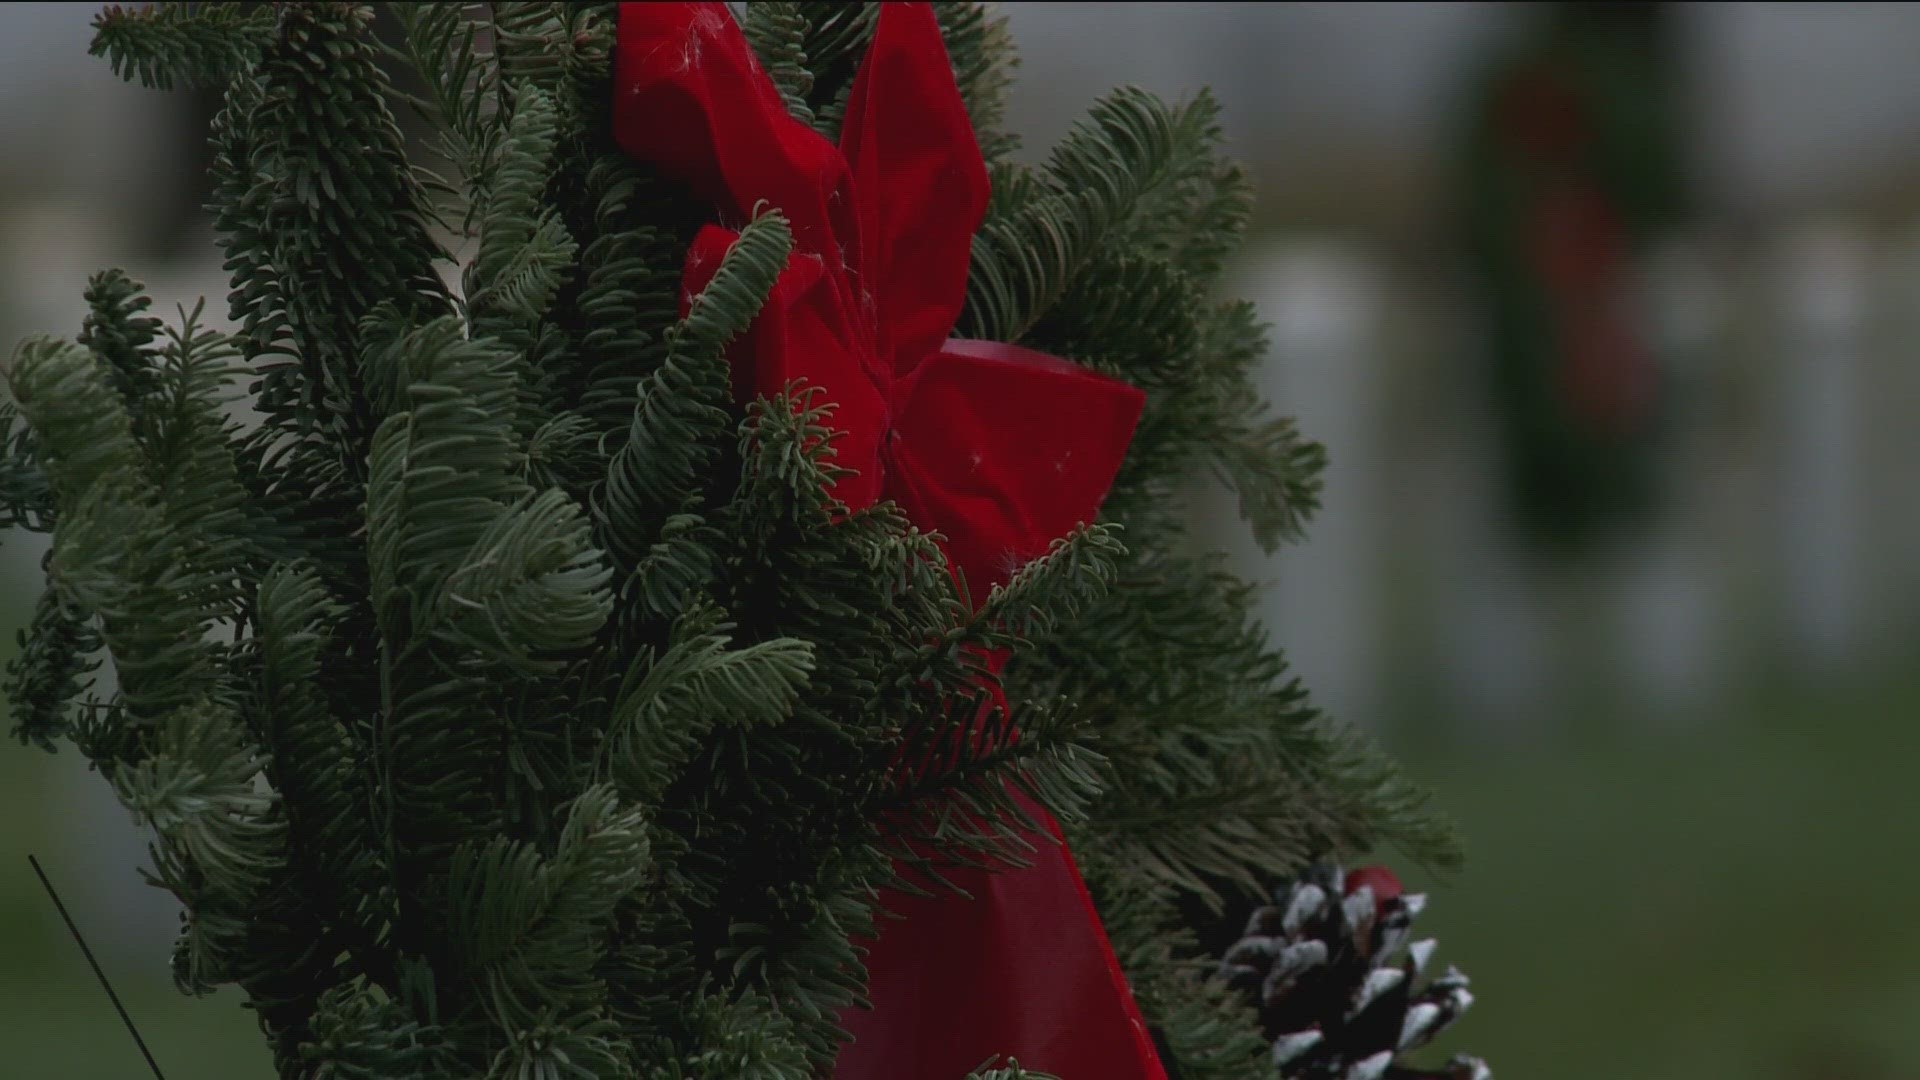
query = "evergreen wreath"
x=1571 y=167
x=508 y=698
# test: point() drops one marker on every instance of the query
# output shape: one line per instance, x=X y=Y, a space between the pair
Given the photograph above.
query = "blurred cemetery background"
x=1680 y=753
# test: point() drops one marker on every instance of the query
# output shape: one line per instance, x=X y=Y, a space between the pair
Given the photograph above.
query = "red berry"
x=1381 y=880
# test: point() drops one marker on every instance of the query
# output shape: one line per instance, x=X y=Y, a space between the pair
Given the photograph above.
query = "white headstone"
x=1671 y=601
x=1322 y=605
x=1823 y=288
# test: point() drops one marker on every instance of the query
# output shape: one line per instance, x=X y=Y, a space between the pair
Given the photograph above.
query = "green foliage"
x=43 y=678
x=220 y=840
x=525 y=251
x=829 y=39
x=835 y=39
x=443 y=43
x=26 y=502
x=1211 y=1033
x=504 y=699
x=777 y=32
x=1132 y=177
x=166 y=45
x=681 y=415
x=982 y=52
x=1011 y=1071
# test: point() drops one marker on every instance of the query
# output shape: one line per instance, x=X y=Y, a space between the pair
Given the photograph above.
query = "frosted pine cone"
x=1320 y=966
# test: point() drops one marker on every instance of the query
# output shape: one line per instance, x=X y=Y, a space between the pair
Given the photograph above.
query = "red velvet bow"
x=998 y=448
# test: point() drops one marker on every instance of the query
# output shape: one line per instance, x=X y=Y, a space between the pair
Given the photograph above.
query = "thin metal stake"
x=88 y=953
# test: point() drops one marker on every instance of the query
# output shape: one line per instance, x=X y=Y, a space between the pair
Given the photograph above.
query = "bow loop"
x=907 y=134
x=692 y=100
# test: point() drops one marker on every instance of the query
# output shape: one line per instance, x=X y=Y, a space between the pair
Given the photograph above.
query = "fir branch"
x=956 y=795
x=1274 y=470
x=553 y=1045
x=732 y=299
x=180 y=44
x=1108 y=183
x=116 y=555
x=984 y=60
x=810 y=964
x=525 y=252
x=532 y=41
x=1131 y=316
x=241 y=197
x=26 y=499
x=57 y=651
x=556 y=449
x=85 y=435
x=682 y=410
x=121 y=335
x=667 y=705
x=532 y=583
x=1220 y=206
x=836 y=39
x=786 y=463
x=530 y=927
x=743 y=1038
x=1366 y=788
x=361 y=1033
x=1207 y=1032
x=1056 y=587
x=677 y=566
x=443 y=495
x=1222 y=770
x=345 y=222
x=221 y=840
x=443 y=469
x=176 y=753
x=1195 y=212
x=189 y=439
x=443 y=44
x=993 y=1070
x=313 y=759
x=627 y=291
x=777 y=30
x=306 y=498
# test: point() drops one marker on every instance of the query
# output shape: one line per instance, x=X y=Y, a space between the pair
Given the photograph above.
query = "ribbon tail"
x=1022 y=969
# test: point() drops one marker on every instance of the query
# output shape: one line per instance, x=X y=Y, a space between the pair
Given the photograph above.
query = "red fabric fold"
x=690 y=93
x=906 y=133
x=1008 y=449
x=803 y=332
x=999 y=449
x=1018 y=969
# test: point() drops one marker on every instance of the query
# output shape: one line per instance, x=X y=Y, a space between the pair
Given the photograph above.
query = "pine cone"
x=1319 y=965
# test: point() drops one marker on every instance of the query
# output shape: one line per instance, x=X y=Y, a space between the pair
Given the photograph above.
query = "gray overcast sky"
x=1801 y=97
x=1798 y=97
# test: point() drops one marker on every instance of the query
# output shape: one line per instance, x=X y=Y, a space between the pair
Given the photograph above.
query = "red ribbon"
x=998 y=448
